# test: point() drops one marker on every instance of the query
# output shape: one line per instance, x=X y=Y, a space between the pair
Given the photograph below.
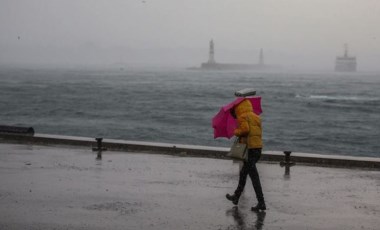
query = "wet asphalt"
x=71 y=188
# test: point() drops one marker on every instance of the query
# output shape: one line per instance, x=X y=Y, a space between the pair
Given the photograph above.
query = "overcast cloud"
x=301 y=34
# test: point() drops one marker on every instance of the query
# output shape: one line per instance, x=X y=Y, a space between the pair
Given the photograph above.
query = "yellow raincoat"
x=249 y=125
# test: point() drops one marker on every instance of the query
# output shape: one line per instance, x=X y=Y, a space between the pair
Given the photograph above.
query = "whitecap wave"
x=338 y=98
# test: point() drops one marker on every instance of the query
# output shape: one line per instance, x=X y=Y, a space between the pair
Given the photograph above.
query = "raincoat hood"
x=243 y=107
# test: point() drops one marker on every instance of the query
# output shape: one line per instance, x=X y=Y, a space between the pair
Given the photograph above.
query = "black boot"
x=234 y=198
x=260 y=206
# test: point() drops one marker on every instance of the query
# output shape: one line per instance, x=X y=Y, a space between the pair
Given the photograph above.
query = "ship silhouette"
x=345 y=63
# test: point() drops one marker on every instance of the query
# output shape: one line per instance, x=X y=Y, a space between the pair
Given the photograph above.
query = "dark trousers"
x=249 y=168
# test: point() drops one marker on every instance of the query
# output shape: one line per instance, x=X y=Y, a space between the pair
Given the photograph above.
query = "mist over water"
x=294 y=34
x=324 y=113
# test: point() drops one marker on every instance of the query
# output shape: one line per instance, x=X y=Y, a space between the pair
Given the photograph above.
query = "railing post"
x=99 y=148
x=287 y=163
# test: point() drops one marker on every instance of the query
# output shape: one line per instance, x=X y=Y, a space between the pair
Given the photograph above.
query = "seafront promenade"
x=68 y=186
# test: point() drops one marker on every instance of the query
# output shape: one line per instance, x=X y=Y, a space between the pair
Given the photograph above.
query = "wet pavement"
x=69 y=188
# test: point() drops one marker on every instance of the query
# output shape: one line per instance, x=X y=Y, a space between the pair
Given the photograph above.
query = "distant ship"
x=211 y=64
x=345 y=63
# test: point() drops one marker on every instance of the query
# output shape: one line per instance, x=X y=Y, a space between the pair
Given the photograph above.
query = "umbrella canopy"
x=223 y=122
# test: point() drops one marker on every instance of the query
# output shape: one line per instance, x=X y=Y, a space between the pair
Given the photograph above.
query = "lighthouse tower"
x=211 y=59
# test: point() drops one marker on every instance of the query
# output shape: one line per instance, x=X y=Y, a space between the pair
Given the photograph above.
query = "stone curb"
x=191 y=150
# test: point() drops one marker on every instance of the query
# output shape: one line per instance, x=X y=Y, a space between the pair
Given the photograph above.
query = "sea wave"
x=300 y=114
x=338 y=97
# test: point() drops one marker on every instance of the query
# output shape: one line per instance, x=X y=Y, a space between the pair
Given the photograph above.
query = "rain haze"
x=156 y=85
x=297 y=34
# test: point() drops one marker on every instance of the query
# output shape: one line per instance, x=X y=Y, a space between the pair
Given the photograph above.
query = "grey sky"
x=296 y=33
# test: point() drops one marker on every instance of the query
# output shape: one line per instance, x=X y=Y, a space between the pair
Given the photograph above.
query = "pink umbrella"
x=223 y=122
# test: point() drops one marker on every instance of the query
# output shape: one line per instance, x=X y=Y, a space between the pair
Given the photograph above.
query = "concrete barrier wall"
x=190 y=150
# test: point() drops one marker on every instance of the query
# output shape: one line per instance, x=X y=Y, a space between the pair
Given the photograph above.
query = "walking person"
x=249 y=131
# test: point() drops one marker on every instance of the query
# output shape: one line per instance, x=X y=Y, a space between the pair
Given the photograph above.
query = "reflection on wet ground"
x=75 y=188
x=241 y=222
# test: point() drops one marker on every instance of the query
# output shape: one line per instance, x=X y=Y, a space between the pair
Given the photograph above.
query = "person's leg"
x=242 y=180
x=254 y=175
x=255 y=154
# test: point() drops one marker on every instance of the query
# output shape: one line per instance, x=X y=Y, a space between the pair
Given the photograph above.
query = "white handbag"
x=238 y=151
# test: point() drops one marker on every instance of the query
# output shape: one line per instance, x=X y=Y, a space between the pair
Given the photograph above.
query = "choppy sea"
x=327 y=113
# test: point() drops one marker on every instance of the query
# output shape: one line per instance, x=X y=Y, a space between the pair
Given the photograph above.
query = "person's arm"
x=243 y=127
